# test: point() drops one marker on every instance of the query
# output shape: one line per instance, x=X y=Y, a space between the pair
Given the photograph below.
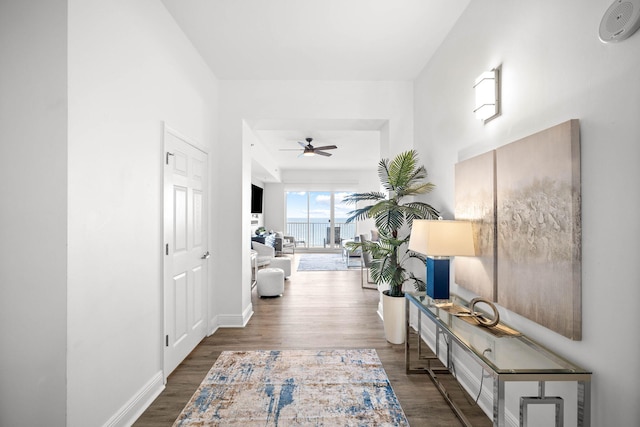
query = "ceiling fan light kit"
x=309 y=150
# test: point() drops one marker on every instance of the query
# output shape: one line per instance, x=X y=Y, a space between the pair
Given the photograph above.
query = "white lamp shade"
x=442 y=238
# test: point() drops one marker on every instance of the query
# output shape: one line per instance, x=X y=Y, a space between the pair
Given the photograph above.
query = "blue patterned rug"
x=295 y=388
x=326 y=262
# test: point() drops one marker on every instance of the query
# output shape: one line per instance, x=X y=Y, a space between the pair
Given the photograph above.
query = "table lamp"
x=439 y=240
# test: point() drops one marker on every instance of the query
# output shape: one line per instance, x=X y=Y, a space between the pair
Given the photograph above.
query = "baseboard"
x=132 y=410
x=236 y=321
x=247 y=315
x=214 y=324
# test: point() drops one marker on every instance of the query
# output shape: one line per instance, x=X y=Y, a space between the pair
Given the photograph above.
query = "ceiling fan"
x=310 y=150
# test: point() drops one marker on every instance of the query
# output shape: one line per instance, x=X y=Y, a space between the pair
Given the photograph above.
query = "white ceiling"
x=358 y=143
x=317 y=40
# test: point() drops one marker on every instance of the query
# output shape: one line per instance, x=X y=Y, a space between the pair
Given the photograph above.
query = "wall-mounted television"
x=256 y=199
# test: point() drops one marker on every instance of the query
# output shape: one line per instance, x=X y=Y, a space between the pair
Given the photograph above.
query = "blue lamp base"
x=438 y=278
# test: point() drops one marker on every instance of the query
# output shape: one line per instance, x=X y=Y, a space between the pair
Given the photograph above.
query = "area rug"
x=326 y=262
x=295 y=388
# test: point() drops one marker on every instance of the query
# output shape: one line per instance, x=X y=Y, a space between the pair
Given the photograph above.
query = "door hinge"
x=166 y=340
x=166 y=249
x=167 y=157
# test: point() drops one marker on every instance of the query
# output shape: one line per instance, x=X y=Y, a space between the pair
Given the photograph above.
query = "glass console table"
x=504 y=353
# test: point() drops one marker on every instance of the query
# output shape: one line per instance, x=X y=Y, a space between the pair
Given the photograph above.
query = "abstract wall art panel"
x=539 y=228
x=475 y=202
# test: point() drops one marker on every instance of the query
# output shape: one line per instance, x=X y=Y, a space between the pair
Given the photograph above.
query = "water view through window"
x=317 y=219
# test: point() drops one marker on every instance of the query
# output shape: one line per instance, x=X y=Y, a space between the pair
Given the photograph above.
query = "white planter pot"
x=393 y=310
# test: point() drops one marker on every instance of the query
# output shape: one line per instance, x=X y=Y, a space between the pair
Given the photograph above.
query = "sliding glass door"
x=317 y=219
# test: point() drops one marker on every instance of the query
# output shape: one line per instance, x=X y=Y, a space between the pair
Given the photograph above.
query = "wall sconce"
x=440 y=240
x=487 y=89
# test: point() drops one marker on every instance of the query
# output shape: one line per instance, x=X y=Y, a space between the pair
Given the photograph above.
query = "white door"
x=185 y=252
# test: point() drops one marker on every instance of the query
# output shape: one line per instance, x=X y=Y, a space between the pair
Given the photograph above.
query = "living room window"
x=317 y=219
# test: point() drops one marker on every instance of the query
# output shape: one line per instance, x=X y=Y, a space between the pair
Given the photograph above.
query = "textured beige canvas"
x=475 y=202
x=539 y=228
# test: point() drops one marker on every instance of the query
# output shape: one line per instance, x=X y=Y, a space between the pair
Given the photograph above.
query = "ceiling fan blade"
x=326 y=147
x=289 y=149
x=322 y=153
x=302 y=144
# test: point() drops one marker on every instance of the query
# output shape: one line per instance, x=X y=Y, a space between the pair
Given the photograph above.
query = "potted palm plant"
x=400 y=178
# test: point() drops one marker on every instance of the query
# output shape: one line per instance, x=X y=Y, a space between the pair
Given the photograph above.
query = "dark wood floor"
x=319 y=310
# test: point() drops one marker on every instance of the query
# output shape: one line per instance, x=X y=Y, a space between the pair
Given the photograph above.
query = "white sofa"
x=265 y=253
x=266 y=257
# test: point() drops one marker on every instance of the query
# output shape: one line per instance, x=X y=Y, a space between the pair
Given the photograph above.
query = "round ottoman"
x=270 y=282
x=283 y=263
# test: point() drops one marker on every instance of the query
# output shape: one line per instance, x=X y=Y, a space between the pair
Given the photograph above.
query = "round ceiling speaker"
x=620 y=21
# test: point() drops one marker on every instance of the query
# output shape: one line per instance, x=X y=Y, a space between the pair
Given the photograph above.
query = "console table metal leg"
x=541 y=399
x=428 y=370
x=498 y=402
x=584 y=403
x=449 y=354
x=419 y=335
x=407 y=348
x=407 y=338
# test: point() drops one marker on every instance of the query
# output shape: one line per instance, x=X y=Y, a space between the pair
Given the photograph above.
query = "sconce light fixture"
x=487 y=89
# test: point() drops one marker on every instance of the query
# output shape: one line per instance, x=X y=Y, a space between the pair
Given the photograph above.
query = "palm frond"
x=418 y=284
x=402 y=168
x=420 y=210
x=421 y=257
x=383 y=206
x=363 y=213
x=379 y=251
x=419 y=188
x=389 y=220
x=384 y=175
x=354 y=198
x=419 y=174
x=389 y=271
x=359 y=214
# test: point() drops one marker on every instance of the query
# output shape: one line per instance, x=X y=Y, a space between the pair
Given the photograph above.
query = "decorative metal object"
x=480 y=317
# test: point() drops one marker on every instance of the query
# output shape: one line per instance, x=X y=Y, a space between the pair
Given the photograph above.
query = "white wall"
x=250 y=100
x=130 y=70
x=274 y=207
x=555 y=69
x=33 y=216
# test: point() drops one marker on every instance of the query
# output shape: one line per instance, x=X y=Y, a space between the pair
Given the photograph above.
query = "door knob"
x=206 y=255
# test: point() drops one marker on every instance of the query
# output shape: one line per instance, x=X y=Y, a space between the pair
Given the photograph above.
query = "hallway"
x=319 y=310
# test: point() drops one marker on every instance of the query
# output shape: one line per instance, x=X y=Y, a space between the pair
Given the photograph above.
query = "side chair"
x=365 y=264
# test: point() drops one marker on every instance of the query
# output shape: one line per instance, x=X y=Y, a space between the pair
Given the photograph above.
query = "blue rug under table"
x=326 y=262
x=295 y=388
